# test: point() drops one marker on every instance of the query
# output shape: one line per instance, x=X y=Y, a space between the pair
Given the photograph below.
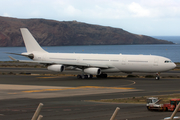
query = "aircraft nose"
x=171 y=66
x=174 y=65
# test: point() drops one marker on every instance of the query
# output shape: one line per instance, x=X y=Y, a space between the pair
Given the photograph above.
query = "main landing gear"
x=91 y=76
x=84 y=76
x=157 y=76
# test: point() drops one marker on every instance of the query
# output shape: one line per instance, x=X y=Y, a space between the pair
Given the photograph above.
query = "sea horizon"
x=174 y=39
x=171 y=51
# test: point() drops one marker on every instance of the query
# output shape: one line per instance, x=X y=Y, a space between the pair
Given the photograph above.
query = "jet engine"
x=93 y=71
x=56 y=68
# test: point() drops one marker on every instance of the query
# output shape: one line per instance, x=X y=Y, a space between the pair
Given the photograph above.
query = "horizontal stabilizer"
x=31 y=56
x=13 y=59
x=14 y=53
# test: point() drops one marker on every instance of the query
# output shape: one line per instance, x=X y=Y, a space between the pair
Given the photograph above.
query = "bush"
x=132 y=76
x=149 y=76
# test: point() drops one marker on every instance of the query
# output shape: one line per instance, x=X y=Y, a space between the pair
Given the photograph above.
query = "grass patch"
x=149 y=76
x=133 y=76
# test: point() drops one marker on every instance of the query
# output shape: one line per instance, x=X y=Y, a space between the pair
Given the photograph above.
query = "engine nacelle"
x=93 y=71
x=56 y=68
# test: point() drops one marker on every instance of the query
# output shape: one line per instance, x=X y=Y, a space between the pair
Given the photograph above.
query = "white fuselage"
x=114 y=62
x=92 y=64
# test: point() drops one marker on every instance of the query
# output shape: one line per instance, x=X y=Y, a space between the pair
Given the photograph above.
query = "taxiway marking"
x=80 y=87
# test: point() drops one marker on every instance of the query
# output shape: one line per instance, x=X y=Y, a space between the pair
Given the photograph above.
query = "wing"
x=79 y=65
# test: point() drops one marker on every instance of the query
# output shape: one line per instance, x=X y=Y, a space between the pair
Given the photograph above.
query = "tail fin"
x=30 y=43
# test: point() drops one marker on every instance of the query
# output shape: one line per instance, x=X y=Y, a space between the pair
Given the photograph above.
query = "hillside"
x=56 y=33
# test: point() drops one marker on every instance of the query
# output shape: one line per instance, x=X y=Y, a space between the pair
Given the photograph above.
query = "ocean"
x=171 y=51
x=174 y=39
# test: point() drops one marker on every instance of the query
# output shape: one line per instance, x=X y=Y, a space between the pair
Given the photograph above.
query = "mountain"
x=56 y=33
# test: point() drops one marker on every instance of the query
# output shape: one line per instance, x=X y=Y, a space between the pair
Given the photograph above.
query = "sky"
x=144 y=17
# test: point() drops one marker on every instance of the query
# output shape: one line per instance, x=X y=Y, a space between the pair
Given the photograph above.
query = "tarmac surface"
x=65 y=97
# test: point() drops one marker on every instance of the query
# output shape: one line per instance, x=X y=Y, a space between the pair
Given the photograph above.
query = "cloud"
x=101 y=9
x=162 y=9
x=134 y=15
x=94 y=9
x=72 y=11
x=138 y=10
x=101 y=12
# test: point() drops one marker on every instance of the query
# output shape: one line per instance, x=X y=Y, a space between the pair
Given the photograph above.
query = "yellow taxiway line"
x=80 y=87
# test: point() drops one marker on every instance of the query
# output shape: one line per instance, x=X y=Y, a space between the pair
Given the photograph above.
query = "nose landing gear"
x=157 y=76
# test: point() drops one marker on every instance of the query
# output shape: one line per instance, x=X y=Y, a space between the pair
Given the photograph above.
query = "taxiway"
x=64 y=97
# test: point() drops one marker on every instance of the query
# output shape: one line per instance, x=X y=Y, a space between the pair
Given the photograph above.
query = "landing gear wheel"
x=90 y=76
x=79 y=76
x=148 y=107
x=157 y=78
x=85 y=76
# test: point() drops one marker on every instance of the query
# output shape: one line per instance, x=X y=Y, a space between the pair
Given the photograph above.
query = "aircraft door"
x=78 y=59
x=124 y=61
x=156 y=61
x=44 y=57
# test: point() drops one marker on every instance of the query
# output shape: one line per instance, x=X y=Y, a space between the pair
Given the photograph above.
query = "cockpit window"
x=167 y=61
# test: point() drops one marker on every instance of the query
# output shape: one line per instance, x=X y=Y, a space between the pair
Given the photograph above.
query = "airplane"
x=92 y=64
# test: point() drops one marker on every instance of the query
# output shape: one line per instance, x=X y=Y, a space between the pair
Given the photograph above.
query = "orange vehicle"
x=153 y=104
x=172 y=105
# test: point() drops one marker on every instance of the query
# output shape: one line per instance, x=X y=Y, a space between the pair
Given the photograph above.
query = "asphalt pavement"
x=65 y=97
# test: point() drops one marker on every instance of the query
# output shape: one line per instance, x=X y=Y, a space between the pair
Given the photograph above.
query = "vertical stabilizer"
x=30 y=43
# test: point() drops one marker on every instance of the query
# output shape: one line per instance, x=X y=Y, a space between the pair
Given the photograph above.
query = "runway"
x=64 y=97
